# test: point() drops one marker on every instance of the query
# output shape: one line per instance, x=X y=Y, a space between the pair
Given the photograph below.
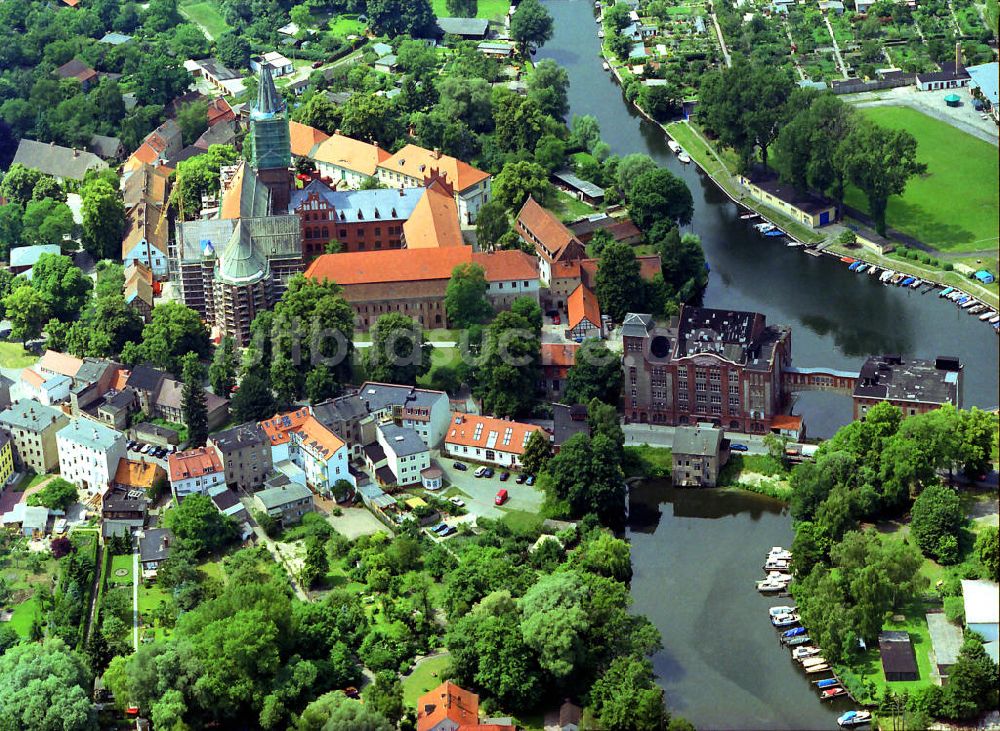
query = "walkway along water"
x=838 y=318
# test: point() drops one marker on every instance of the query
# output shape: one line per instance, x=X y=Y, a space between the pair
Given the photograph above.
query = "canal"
x=837 y=317
x=697 y=554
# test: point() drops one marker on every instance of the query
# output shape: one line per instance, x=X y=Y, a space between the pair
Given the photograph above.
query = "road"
x=836 y=48
x=722 y=39
x=663 y=436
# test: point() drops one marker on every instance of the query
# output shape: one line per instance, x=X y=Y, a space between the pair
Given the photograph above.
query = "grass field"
x=428 y=675
x=206 y=14
x=346 y=25
x=569 y=208
x=492 y=9
x=955 y=206
x=13 y=355
x=121 y=563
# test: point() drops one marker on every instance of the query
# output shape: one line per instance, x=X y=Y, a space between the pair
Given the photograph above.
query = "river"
x=837 y=317
x=696 y=553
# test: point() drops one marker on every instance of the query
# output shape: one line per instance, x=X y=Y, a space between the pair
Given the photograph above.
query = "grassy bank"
x=13 y=355
x=206 y=14
x=759 y=473
x=647 y=461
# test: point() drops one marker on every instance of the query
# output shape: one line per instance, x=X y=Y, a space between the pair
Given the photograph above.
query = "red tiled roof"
x=469 y=430
x=220 y=111
x=193 y=463
x=304 y=138
x=447 y=702
x=582 y=305
x=557 y=241
x=411 y=265
x=62 y=363
x=559 y=354
x=279 y=427
x=434 y=222
x=782 y=421
x=505 y=266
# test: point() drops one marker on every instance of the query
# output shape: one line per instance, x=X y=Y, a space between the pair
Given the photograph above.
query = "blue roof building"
x=363 y=205
x=984 y=77
x=23 y=258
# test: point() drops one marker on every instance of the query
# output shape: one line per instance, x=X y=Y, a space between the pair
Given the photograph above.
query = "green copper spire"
x=269 y=102
x=269 y=135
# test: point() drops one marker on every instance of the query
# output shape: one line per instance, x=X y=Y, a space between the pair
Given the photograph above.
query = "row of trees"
x=819 y=141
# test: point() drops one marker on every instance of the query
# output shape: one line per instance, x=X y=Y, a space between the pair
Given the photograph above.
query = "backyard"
x=204 y=13
x=491 y=9
x=954 y=207
x=426 y=676
x=13 y=355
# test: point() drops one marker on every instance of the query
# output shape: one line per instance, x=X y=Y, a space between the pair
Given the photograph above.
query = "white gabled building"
x=420 y=409
x=89 y=453
x=487 y=439
x=195 y=471
x=321 y=454
x=405 y=452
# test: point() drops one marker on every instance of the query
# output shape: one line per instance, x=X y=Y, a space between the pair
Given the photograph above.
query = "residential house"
x=305 y=140
x=344 y=160
x=125 y=506
x=452 y=708
x=54 y=363
x=62 y=163
x=6 y=458
x=286 y=503
x=147 y=231
x=215 y=73
x=951 y=76
x=553 y=242
x=227 y=502
x=162 y=145
x=434 y=222
x=139 y=474
x=807 y=208
x=467 y=29
x=982 y=607
x=33 y=428
x=154 y=549
x=487 y=439
x=415 y=281
x=106 y=148
x=245 y=451
x=219 y=111
x=169 y=405
x=278 y=430
x=699 y=452
x=80 y=71
x=584 y=313
x=568 y=421
x=347 y=417
x=496 y=49
x=139 y=290
x=31 y=520
x=46 y=389
x=146 y=381
x=387 y=64
x=406 y=453
x=93 y=382
x=89 y=453
x=321 y=454
x=915 y=385
x=194 y=471
x=423 y=410
x=413 y=166
x=557 y=359
x=278 y=63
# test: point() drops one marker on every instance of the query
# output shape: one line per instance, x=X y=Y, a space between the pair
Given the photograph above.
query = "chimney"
x=336 y=131
x=958 y=55
x=76 y=152
x=165 y=542
x=437 y=153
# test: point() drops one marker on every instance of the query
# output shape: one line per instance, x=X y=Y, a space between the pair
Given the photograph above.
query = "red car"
x=501 y=497
x=556 y=320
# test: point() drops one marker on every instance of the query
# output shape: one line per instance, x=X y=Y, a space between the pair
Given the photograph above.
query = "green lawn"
x=569 y=208
x=428 y=675
x=492 y=9
x=346 y=25
x=181 y=429
x=521 y=521
x=955 y=206
x=24 y=615
x=13 y=355
x=206 y=14
x=121 y=563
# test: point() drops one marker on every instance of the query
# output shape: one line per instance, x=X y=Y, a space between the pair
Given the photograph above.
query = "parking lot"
x=479 y=493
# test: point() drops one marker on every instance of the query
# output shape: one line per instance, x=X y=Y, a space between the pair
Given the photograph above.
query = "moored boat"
x=847 y=260
x=817 y=669
x=971 y=303
x=793 y=641
x=995 y=319
x=906 y=282
x=746 y=216
x=684 y=157
x=777 y=564
x=769 y=586
x=800 y=653
x=605 y=66
x=886 y=276
x=987 y=315
x=853 y=267
x=779 y=552
x=946 y=291
x=854 y=718
x=916 y=283
x=774 y=232
x=808 y=662
x=827 y=683
x=831 y=693
x=785 y=620
x=861 y=269
x=794 y=632
x=600 y=34
x=977 y=309
x=676 y=148
x=777 y=611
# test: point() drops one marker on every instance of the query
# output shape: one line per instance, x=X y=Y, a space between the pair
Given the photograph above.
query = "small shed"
x=432 y=478
x=946 y=642
x=985 y=276
x=898 y=661
x=581 y=189
x=953 y=100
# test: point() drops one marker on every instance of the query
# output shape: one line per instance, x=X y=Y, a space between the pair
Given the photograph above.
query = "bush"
x=937 y=518
x=948 y=266
x=902 y=251
x=954 y=609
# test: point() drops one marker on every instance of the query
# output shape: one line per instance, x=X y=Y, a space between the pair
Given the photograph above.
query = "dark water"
x=695 y=556
x=837 y=317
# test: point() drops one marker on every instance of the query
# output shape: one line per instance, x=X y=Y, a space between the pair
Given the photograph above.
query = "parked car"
x=457 y=501
x=501 y=497
x=440 y=528
x=556 y=320
x=520 y=478
x=489 y=472
x=480 y=472
x=530 y=480
x=452 y=530
x=504 y=476
x=460 y=466
x=739 y=447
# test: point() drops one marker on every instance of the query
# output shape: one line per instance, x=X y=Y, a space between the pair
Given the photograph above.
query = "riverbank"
x=713 y=163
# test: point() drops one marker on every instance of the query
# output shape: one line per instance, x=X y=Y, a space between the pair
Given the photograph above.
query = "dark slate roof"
x=402 y=440
x=111 y=528
x=374 y=452
x=121 y=400
x=949 y=72
x=106 y=147
x=637 y=325
x=378 y=396
x=568 y=421
x=214 y=67
x=700 y=440
x=768 y=182
x=926 y=381
x=463 y=26
x=152 y=546
x=343 y=408
x=239 y=437
x=146 y=378
x=268 y=99
x=225 y=499
x=119 y=500
x=897 y=652
x=55 y=160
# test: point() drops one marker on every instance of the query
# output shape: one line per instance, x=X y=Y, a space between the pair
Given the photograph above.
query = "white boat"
x=884 y=277
x=995 y=319
x=777 y=564
x=764 y=227
x=812 y=661
x=916 y=283
x=606 y=66
x=769 y=585
x=800 y=653
x=778 y=611
x=987 y=315
x=854 y=718
x=684 y=157
x=785 y=620
x=969 y=304
x=977 y=309
x=777 y=552
x=600 y=34
x=861 y=269
x=873 y=270
x=780 y=576
x=676 y=149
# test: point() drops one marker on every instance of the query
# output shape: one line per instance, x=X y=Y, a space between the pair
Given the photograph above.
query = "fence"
x=855 y=86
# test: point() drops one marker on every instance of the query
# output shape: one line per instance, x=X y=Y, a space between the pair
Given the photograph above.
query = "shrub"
x=948 y=266
x=954 y=609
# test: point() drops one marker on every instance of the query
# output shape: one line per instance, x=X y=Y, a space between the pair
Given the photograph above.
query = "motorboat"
x=779 y=564
x=861 y=268
x=793 y=641
x=812 y=670
x=764 y=227
x=827 y=683
x=794 y=632
x=774 y=232
x=746 y=216
x=831 y=693
x=600 y=34
x=946 y=291
x=767 y=586
x=810 y=662
x=606 y=66
x=779 y=576
x=676 y=149
x=684 y=157
x=778 y=611
x=780 y=553
x=854 y=718
x=916 y=284
x=785 y=620
x=987 y=315
x=800 y=653
x=854 y=267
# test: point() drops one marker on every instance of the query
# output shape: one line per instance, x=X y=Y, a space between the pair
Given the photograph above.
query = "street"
x=663 y=436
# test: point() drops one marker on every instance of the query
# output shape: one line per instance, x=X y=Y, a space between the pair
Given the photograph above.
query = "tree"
x=659 y=195
x=550 y=152
x=462 y=8
x=47 y=221
x=334 y=711
x=48 y=187
x=972 y=682
x=605 y=555
x=286 y=379
x=977 y=430
x=537 y=452
x=174 y=331
x=222 y=372
x=937 y=519
x=397 y=353
x=554 y=623
x=518 y=120
x=45 y=687
x=662 y=103
x=58 y=494
x=320 y=384
x=193 y=120
x=233 y=50
x=27 y=311
x=616 y=17
x=465 y=297
x=880 y=162
x=596 y=373
x=517 y=181
x=19 y=183
x=585 y=131
x=371 y=118
x=626 y=697
x=198 y=176
x=254 y=400
x=319 y=112
x=193 y=408
x=200 y=525
x=315 y=565
x=548 y=87
x=682 y=260
x=509 y=369
x=401 y=17
x=385 y=696
x=64 y=287
x=491 y=224
x=11 y=227
x=630 y=168
x=530 y=26
x=530 y=310
x=619 y=286
x=466 y=99
x=988 y=551
x=587 y=477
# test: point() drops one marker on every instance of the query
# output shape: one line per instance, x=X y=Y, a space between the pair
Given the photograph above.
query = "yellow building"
x=6 y=457
x=811 y=210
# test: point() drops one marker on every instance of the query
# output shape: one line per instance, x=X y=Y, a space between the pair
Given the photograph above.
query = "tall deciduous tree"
x=537 y=453
x=103 y=219
x=465 y=297
x=27 y=311
x=233 y=50
x=200 y=525
x=48 y=221
x=397 y=353
x=531 y=26
x=193 y=408
x=254 y=400
x=517 y=181
x=595 y=373
x=63 y=286
x=508 y=373
x=937 y=519
x=463 y=8
x=46 y=687
x=548 y=87
x=619 y=286
x=626 y=697
x=174 y=331
x=491 y=224
x=222 y=372
x=659 y=195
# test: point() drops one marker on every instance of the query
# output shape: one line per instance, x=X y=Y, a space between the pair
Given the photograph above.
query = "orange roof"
x=136 y=473
x=72 y=3
x=566 y=269
x=193 y=463
x=121 y=379
x=220 y=111
x=319 y=438
x=434 y=222
x=582 y=305
x=469 y=430
x=548 y=234
x=304 y=138
x=280 y=426
x=146 y=153
x=447 y=702
x=232 y=195
x=416 y=162
x=135 y=269
x=783 y=421
x=149 y=222
x=55 y=362
x=559 y=354
x=412 y=265
x=350 y=154
x=32 y=377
